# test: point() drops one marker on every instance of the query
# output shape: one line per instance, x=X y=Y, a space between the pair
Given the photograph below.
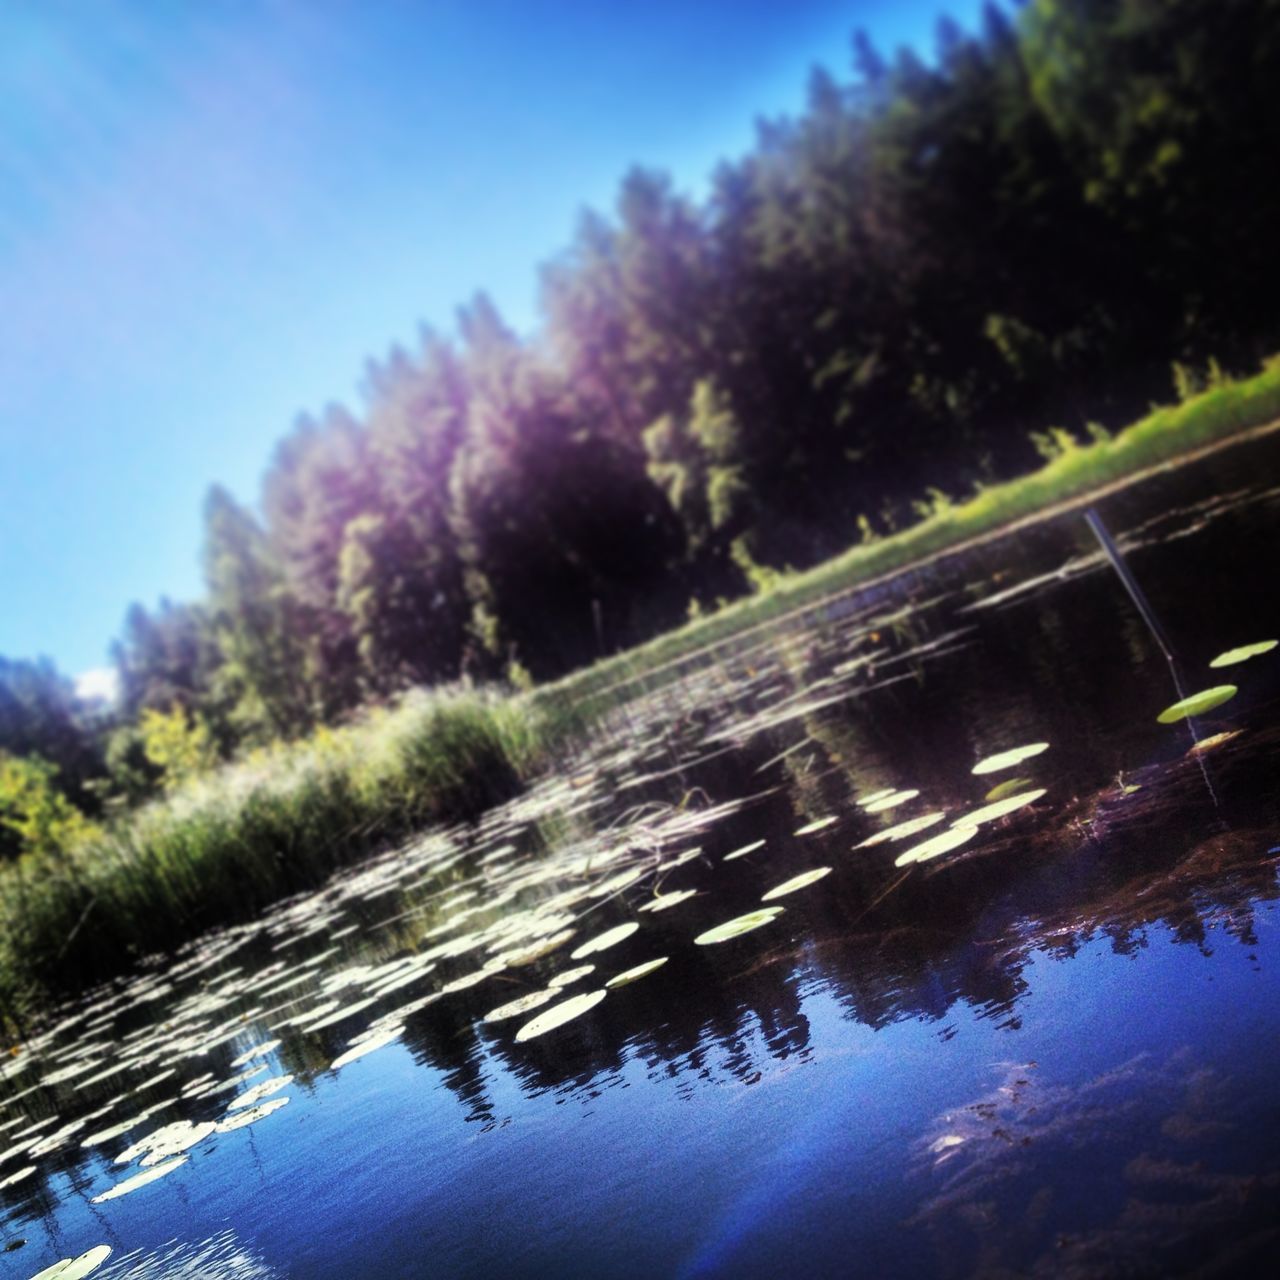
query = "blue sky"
x=211 y=215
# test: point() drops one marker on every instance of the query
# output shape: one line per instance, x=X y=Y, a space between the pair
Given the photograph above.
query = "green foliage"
x=1054 y=443
x=224 y=844
x=178 y=744
x=32 y=807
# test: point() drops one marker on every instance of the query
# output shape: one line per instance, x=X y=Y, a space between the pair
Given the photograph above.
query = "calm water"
x=1050 y=1049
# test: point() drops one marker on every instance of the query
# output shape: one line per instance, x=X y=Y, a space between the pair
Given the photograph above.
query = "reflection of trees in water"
x=960 y=931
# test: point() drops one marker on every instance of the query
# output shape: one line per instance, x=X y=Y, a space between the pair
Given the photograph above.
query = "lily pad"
x=251 y=1097
x=603 y=941
x=76 y=1268
x=1007 y=759
x=253 y=1115
x=802 y=881
x=1198 y=703
x=818 y=824
x=560 y=1013
x=366 y=1045
x=140 y=1180
x=891 y=801
x=1010 y=787
x=522 y=1004
x=570 y=976
x=903 y=829
x=951 y=838
x=633 y=975
x=738 y=925
x=1244 y=653
x=666 y=900
x=990 y=812
x=1214 y=741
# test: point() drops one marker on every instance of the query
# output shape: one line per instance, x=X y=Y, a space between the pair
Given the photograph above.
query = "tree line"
x=882 y=296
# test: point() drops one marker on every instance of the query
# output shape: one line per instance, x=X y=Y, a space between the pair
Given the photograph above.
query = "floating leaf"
x=1244 y=653
x=253 y=1115
x=522 y=1004
x=140 y=1180
x=633 y=975
x=367 y=1044
x=258 y=1051
x=1198 y=703
x=990 y=812
x=665 y=900
x=570 y=976
x=1007 y=759
x=1011 y=787
x=891 y=801
x=603 y=941
x=876 y=796
x=803 y=880
x=259 y=1091
x=904 y=829
x=951 y=838
x=1214 y=740
x=818 y=824
x=76 y=1268
x=559 y=1014
x=738 y=925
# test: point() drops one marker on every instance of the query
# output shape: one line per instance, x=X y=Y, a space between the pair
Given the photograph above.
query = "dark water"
x=1051 y=1049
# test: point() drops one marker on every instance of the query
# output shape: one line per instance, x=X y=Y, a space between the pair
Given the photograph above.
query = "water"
x=1049 y=1050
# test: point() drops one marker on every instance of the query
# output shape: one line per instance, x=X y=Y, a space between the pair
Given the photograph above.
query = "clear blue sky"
x=212 y=213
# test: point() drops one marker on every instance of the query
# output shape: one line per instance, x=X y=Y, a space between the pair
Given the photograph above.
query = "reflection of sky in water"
x=772 y=1103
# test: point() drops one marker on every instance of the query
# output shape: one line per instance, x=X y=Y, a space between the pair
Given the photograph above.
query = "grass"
x=229 y=844
x=1079 y=474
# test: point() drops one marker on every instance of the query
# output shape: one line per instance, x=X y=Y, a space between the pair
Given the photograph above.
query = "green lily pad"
x=802 y=881
x=603 y=941
x=891 y=801
x=254 y=1114
x=904 y=829
x=738 y=925
x=140 y=1180
x=76 y=1268
x=664 y=901
x=560 y=1013
x=951 y=838
x=1198 y=703
x=522 y=1004
x=818 y=824
x=1011 y=787
x=1007 y=759
x=1244 y=653
x=358 y=1050
x=640 y=971
x=990 y=812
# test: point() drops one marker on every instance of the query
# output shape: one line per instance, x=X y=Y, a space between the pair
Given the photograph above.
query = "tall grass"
x=1076 y=475
x=228 y=844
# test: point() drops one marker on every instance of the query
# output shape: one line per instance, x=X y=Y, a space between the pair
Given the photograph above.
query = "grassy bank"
x=1077 y=475
x=227 y=845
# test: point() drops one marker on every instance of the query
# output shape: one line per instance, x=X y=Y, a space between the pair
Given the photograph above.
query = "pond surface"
x=1040 y=1040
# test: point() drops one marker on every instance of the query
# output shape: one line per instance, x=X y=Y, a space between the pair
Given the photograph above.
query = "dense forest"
x=904 y=293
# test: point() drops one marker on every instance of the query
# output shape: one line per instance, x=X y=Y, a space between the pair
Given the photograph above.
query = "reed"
x=228 y=844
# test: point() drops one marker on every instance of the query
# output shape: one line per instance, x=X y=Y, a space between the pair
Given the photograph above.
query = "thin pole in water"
x=1143 y=605
x=1136 y=593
